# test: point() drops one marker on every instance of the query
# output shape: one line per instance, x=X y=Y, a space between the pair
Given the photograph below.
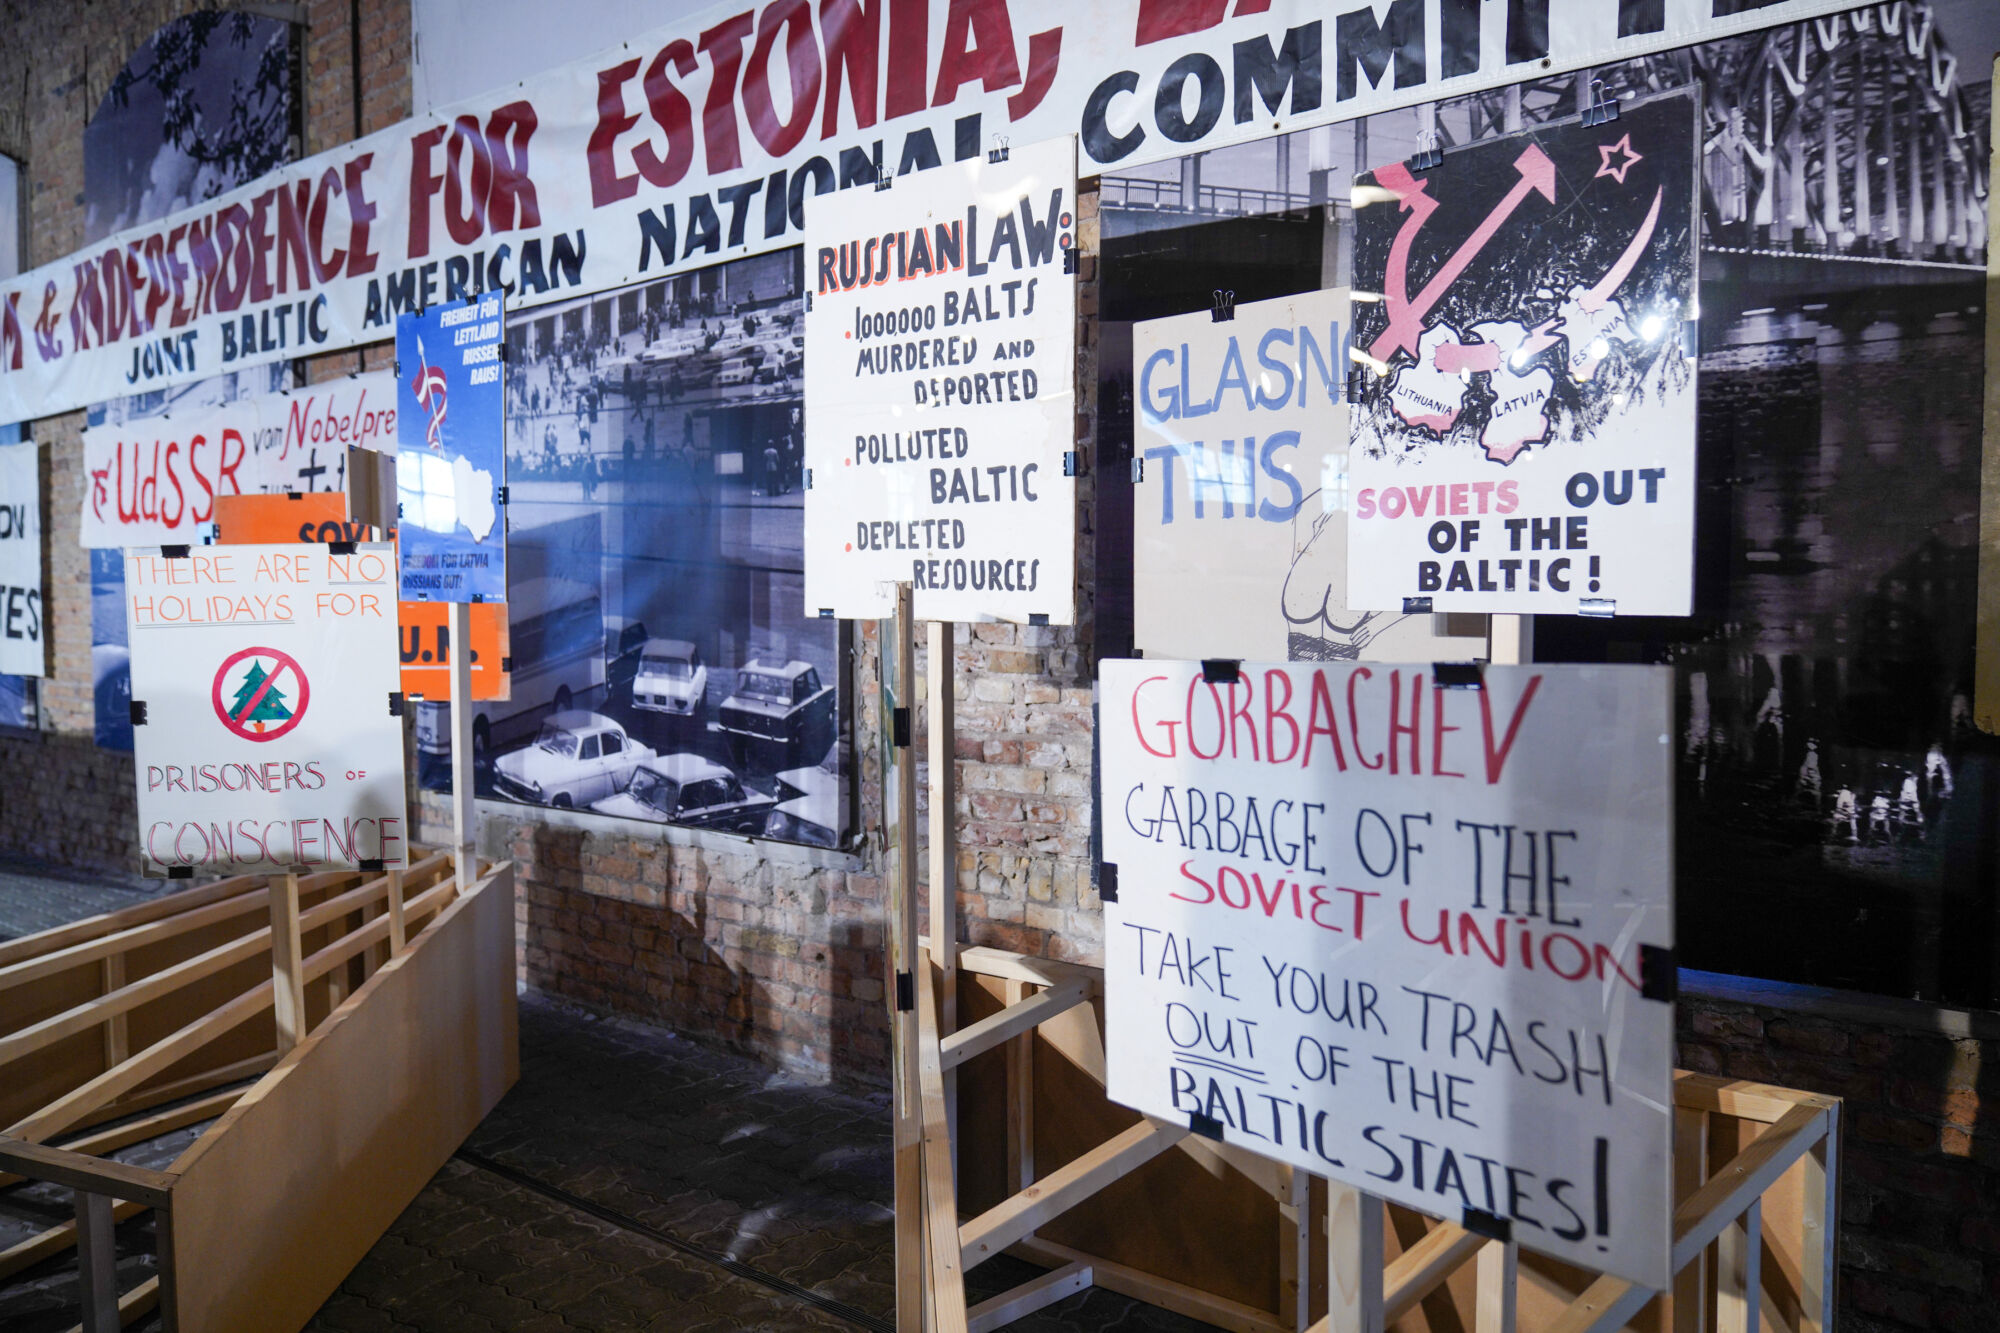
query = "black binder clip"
x=998 y=152
x=1602 y=110
x=1416 y=606
x=883 y=180
x=1225 y=306
x=1069 y=259
x=1357 y=384
x=1428 y=153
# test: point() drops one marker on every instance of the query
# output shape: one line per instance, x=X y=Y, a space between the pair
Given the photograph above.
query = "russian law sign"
x=1404 y=936
x=263 y=679
x=940 y=358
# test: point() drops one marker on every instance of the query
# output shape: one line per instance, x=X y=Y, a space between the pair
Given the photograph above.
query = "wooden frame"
x=384 y=1015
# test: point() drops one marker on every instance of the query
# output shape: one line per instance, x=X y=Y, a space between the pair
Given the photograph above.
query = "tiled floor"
x=632 y=1180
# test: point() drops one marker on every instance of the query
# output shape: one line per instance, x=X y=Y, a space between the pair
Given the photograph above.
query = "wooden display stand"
x=382 y=1007
x=1008 y=1112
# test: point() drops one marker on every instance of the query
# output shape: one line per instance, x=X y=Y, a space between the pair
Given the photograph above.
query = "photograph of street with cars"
x=663 y=667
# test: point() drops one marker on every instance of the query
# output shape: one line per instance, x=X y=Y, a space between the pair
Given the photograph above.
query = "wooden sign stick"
x=288 y=977
x=464 y=810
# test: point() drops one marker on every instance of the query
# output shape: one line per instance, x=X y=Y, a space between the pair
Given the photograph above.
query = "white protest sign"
x=1402 y=936
x=155 y=479
x=267 y=739
x=940 y=361
x=1239 y=510
x=21 y=624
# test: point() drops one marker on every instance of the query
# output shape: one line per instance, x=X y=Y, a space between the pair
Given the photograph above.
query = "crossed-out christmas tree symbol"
x=258 y=699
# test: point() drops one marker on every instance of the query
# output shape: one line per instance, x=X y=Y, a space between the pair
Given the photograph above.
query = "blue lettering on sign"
x=1299 y=368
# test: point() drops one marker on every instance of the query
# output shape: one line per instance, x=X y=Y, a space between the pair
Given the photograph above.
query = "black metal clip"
x=1138 y=469
x=502 y=494
x=1225 y=306
x=809 y=302
x=395 y=703
x=1357 y=384
x=1488 y=1225
x=138 y=711
x=1038 y=618
x=826 y=613
x=1457 y=676
x=1070 y=261
x=1107 y=881
x=1659 y=973
x=373 y=864
x=899 y=728
x=906 y=992
x=1428 y=153
x=1598 y=608
x=1602 y=110
x=1069 y=463
x=340 y=548
x=1416 y=606
x=173 y=552
x=180 y=872
x=507 y=664
x=1206 y=1126
x=998 y=152
x=884 y=181
x=809 y=478
x=1221 y=670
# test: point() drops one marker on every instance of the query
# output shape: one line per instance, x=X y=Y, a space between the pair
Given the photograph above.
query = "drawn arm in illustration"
x=1306 y=601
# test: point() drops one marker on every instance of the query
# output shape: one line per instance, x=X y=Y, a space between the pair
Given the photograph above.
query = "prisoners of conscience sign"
x=1239 y=508
x=940 y=357
x=265 y=674
x=1529 y=444
x=1401 y=936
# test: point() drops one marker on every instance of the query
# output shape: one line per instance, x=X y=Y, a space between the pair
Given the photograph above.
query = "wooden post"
x=1499 y=1267
x=1353 y=1260
x=1690 y=1171
x=96 y=1263
x=117 y=1044
x=288 y=977
x=1738 y=1285
x=1294 y=1241
x=900 y=805
x=464 y=810
x=1820 y=1218
x=1510 y=640
x=942 y=712
x=1020 y=1099
x=398 y=923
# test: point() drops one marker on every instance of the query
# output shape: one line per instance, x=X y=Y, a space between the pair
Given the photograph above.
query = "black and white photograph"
x=663 y=665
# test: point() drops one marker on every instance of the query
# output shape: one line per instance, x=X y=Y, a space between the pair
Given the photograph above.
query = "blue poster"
x=451 y=463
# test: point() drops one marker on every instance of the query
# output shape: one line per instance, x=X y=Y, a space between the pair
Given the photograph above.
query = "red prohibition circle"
x=247 y=730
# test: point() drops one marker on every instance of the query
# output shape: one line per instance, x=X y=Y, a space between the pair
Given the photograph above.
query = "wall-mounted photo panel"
x=1410 y=938
x=451 y=461
x=1240 y=498
x=1525 y=312
x=940 y=371
x=267 y=728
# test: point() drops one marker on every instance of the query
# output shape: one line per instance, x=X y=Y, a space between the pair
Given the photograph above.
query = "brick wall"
x=1920 y=1198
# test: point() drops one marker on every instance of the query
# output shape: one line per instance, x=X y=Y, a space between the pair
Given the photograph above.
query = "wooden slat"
x=48 y=1244
x=1015 y=1019
x=108 y=923
x=1739 y=1249
x=160 y=1094
x=288 y=983
x=1020 y=1099
x=1493 y=1302
x=1690 y=1170
x=941 y=722
x=117 y=1034
x=398 y=929
x=38 y=966
x=152 y=1126
x=135 y=1304
x=945 y=1277
x=898 y=661
x=1418 y=1270
x=96 y=1263
x=1761 y=1102
x=1820 y=1215
x=117 y=1180
x=1604 y=1306
x=1055 y=1194
x=1035 y=1294
x=1294 y=1239
x=988 y=962
x=1353 y=1262
x=1179 y=1297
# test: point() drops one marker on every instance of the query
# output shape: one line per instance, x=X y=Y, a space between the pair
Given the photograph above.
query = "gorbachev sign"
x=704 y=139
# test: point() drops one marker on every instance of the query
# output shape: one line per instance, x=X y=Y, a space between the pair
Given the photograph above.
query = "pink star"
x=1624 y=148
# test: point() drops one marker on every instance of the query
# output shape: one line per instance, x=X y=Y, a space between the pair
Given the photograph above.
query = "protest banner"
x=451 y=465
x=703 y=139
x=423 y=640
x=1527 y=443
x=940 y=362
x=1239 y=504
x=1411 y=938
x=267 y=730
x=23 y=651
x=155 y=480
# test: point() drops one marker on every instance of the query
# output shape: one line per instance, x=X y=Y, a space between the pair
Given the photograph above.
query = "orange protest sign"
x=301 y=516
x=421 y=634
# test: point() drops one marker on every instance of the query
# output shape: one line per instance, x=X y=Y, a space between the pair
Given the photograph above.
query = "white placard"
x=940 y=364
x=156 y=479
x=1392 y=934
x=1239 y=512
x=266 y=675
x=22 y=652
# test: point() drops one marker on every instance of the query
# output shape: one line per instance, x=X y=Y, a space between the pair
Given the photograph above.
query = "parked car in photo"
x=808 y=808
x=578 y=758
x=671 y=678
x=785 y=706
x=688 y=789
x=624 y=642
